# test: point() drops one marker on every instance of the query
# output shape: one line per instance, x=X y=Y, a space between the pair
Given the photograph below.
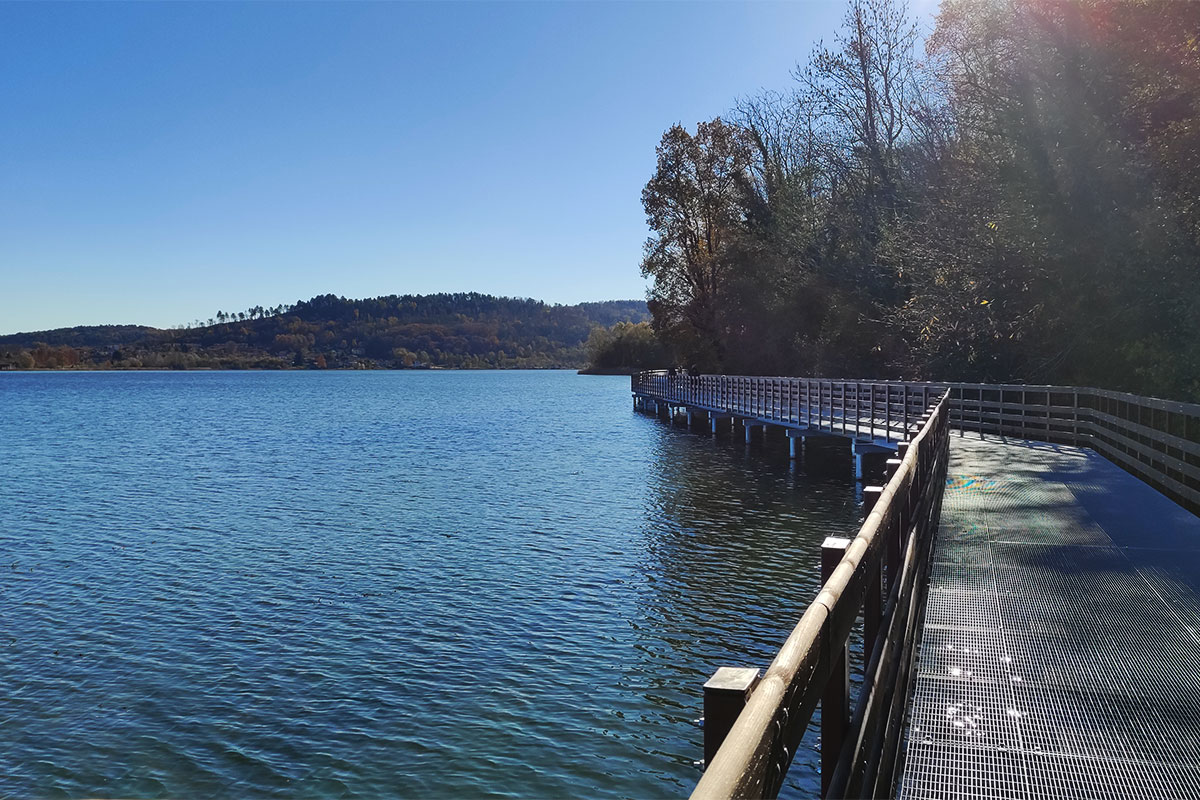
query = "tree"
x=626 y=345
x=864 y=89
x=1050 y=243
x=696 y=205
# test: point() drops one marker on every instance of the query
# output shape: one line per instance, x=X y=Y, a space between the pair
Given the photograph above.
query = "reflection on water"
x=374 y=584
x=734 y=559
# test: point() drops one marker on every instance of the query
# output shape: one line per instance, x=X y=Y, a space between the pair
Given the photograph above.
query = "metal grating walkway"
x=1061 y=647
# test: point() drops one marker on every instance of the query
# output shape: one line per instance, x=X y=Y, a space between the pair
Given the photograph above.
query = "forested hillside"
x=411 y=331
x=1017 y=198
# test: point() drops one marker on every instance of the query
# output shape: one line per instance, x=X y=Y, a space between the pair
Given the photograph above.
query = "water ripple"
x=381 y=584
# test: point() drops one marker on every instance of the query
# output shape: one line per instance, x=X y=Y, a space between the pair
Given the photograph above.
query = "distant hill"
x=83 y=336
x=463 y=330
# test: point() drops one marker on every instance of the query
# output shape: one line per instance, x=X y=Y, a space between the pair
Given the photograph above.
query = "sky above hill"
x=162 y=161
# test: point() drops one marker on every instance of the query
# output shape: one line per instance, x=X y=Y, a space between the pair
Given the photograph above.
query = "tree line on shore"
x=1019 y=203
x=463 y=330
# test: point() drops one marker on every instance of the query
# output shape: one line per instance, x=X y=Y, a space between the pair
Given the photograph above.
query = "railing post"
x=979 y=387
x=887 y=413
x=857 y=407
x=845 y=405
x=1075 y=420
x=873 y=604
x=725 y=695
x=871 y=495
x=872 y=412
x=821 y=407
x=835 y=703
x=895 y=534
x=1049 y=416
x=962 y=420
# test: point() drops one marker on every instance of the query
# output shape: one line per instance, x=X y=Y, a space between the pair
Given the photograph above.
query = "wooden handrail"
x=755 y=756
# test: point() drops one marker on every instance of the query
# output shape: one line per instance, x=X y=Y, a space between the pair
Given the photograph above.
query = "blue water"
x=369 y=584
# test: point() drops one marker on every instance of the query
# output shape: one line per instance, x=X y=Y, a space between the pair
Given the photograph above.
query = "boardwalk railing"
x=876 y=410
x=858 y=750
x=1157 y=440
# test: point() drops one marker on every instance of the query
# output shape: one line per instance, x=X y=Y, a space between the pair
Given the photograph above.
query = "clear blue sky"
x=159 y=162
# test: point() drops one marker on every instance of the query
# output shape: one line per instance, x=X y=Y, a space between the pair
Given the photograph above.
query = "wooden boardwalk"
x=1030 y=610
x=1061 y=648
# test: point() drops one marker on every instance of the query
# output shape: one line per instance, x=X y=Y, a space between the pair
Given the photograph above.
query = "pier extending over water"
x=1030 y=610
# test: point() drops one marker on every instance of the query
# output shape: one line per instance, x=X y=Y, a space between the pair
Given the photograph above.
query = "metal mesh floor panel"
x=962 y=609
x=966 y=655
x=944 y=772
x=1061 y=778
x=964 y=552
x=964 y=714
x=1061 y=651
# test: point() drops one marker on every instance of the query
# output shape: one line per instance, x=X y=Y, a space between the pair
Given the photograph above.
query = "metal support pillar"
x=796 y=441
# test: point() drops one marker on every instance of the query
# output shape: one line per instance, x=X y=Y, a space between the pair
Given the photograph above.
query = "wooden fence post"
x=1075 y=418
x=725 y=695
x=835 y=703
x=873 y=604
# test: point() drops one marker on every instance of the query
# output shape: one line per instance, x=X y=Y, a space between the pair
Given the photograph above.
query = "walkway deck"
x=1061 y=647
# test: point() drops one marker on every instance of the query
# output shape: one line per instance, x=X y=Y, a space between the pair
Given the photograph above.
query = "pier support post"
x=796 y=441
x=835 y=703
x=861 y=451
x=857 y=452
x=713 y=418
x=725 y=695
x=871 y=495
x=749 y=425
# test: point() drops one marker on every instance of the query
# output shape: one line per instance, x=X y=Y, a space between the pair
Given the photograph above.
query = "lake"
x=371 y=584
